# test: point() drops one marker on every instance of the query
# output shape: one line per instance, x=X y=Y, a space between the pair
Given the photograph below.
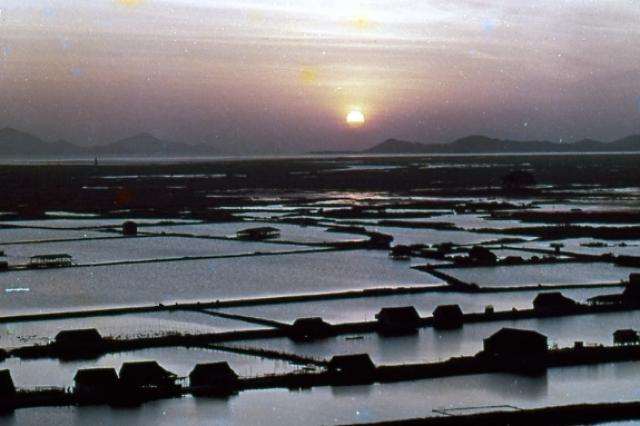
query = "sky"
x=280 y=76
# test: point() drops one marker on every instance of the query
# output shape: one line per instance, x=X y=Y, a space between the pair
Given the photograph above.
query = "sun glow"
x=355 y=118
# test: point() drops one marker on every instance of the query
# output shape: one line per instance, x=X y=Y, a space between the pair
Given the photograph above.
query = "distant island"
x=484 y=145
x=18 y=144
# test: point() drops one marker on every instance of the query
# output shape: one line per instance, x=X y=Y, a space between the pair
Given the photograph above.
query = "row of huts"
x=136 y=381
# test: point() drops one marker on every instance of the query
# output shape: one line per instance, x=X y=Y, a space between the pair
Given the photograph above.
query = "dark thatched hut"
x=78 y=337
x=7 y=388
x=398 y=320
x=626 y=337
x=80 y=343
x=512 y=342
x=310 y=328
x=96 y=383
x=213 y=378
x=553 y=302
x=145 y=374
x=355 y=365
x=129 y=228
x=448 y=317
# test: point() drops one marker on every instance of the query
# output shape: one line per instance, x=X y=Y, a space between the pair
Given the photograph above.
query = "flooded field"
x=226 y=280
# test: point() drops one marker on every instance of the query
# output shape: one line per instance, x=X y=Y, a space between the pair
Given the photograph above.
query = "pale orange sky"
x=251 y=76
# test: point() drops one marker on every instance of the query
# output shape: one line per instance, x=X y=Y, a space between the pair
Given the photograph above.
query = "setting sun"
x=355 y=118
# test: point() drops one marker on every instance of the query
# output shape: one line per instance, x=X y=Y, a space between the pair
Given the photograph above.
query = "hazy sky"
x=251 y=76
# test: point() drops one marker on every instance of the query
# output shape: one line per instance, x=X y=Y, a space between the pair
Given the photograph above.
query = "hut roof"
x=144 y=373
x=80 y=336
x=507 y=333
x=310 y=322
x=212 y=372
x=552 y=299
x=626 y=333
x=448 y=311
x=129 y=227
x=448 y=317
x=401 y=314
x=516 y=341
x=96 y=377
x=6 y=383
x=351 y=363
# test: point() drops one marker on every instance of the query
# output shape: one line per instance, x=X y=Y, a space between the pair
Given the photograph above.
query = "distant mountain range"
x=18 y=144
x=483 y=144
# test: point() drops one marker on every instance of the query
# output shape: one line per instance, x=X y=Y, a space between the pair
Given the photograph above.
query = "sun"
x=355 y=118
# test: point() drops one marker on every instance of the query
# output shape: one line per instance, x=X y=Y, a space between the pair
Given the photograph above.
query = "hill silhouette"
x=18 y=144
x=482 y=144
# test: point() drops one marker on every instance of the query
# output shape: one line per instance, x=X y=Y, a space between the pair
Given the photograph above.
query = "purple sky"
x=280 y=76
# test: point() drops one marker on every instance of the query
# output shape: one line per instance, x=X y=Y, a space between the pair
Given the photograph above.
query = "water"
x=124 y=249
x=15 y=235
x=561 y=273
x=402 y=235
x=354 y=404
x=430 y=345
x=50 y=372
x=271 y=275
x=76 y=288
x=288 y=232
x=364 y=309
x=120 y=326
x=576 y=245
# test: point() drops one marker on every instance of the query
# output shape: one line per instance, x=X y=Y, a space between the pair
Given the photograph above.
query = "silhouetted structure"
x=260 y=233
x=625 y=260
x=556 y=247
x=482 y=255
x=79 y=343
x=50 y=260
x=215 y=378
x=7 y=388
x=7 y=392
x=515 y=343
x=520 y=351
x=631 y=293
x=356 y=368
x=626 y=337
x=398 y=320
x=378 y=240
x=400 y=252
x=145 y=374
x=310 y=329
x=553 y=302
x=79 y=337
x=129 y=228
x=96 y=384
x=630 y=296
x=448 y=317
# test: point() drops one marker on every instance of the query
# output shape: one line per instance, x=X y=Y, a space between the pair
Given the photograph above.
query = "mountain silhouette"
x=478 y=144
x=145 y=144
x=18 y=144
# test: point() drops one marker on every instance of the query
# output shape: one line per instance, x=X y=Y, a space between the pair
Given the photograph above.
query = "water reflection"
x=510 y=386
